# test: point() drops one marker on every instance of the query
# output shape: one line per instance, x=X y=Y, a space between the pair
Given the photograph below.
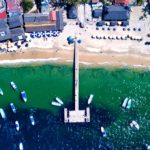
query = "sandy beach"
x=66 y=56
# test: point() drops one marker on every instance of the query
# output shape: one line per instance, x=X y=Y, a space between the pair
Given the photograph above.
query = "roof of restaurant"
x=14 y=5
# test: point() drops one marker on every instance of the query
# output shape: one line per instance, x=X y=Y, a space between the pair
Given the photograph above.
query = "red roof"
x=13 y=5
x=121 y=2
x=3 y=15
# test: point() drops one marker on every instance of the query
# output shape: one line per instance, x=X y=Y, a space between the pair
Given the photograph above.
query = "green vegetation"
x=139 y=2
x=27 y=5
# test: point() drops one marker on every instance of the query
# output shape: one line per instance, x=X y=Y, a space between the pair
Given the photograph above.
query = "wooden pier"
x=77 y=115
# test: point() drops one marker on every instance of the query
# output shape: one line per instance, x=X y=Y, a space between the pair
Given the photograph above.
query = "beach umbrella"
x=79 y=41
x=104 y=37
x=128 y=29
x=139 y=29
x=92 y=37
x=108 y=29
x=109 y=37
x=26 y=45
x=96 y=37
x=33 y=35
x=119 y=23
x=103 y=29
x=44 y=34
x=134 y=29
x=55 y=33
x=107 y=23
x=97 y=28
x=114 y=29
x=39 y=34
x=124 y=29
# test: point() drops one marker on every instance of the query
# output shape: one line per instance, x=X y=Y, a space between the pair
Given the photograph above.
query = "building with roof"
x=14 y=7
x=42 y=22
x=116 y=13
x=3 y=14
x=121 y=2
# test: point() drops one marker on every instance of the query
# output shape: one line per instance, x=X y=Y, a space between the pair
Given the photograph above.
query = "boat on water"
x=3 y=115
x=24 y=96
x=56 y=103
x=13 y=85
x=129 y=104
x=135 y=125
x=124 y=104
x=147 y=147
x=32 y=120
x=17 y=125
x=1 y=92
x=59 y=100
x=13 y=108
x=21 y=146
x=103 y=132
x=90 y=99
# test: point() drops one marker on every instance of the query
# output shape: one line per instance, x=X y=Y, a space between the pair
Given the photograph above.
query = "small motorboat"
x=103 y=132
x=90 y=99
x=32 y=120
x=17 y=125
x=147 y=147
x=20 y=146
x=1 y=92
x=3 y=115
x=24 y=96
x=13 y=85
x=129 y=104
x=59 y=100
x=135 y=124
x=56 y=103
x=13 y=108
x=124 y=104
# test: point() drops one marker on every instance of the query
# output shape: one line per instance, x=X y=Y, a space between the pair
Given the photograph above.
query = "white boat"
x=135 y=124
x=32 y=120
x=147 y=147
x=56 y=103
x=124 y=104
x=13 y=85
x=17 y=125
x=24 y=96
x=103 y=132
x=59 y=100
x=1 y=92
x=129 y=104
x=3 y=115
x=90 y=99
x=21 y=146
x=13 y=108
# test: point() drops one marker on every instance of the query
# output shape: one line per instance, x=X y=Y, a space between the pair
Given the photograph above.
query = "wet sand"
x=86 y=58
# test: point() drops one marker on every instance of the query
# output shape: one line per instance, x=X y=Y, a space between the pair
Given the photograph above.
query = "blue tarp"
x=72 y=12
x=100 y=23
x=97 y=13
x=125 y=23
x=116 y=13
x=113 y=23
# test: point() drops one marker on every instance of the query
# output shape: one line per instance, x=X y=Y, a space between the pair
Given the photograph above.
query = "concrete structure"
x=77 y=115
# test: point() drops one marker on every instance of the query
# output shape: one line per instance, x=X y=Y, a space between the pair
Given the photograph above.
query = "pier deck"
x=76 y=115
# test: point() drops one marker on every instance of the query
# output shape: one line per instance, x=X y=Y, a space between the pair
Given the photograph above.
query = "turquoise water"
x=110 y=87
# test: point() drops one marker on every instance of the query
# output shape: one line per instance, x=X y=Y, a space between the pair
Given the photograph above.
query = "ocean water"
x=110 y=86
